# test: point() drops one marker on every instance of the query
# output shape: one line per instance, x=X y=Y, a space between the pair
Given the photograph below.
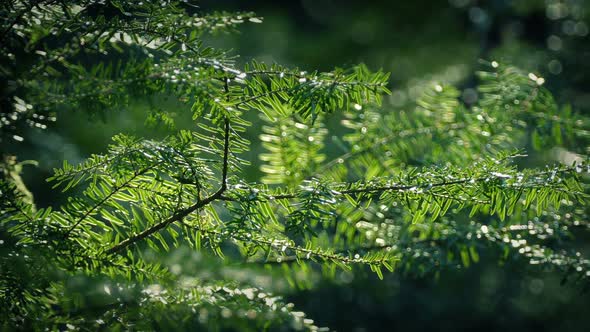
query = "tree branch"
x=309 y=77
x=386 y=140
x=183 y=213
x=115 y=190
x=385 y=188
x=262 y=95
x=406 y=187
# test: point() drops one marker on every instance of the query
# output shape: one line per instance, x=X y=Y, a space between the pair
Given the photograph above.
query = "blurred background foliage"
x=421 y=42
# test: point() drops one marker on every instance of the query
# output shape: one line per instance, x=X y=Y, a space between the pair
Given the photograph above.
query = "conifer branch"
x=262 y=95
x=100 y=203
x=368 y=189
x=157 y=227
x=178 y=216
x=383 y=141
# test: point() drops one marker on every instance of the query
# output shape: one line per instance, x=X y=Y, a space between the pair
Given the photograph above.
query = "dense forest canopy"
x=170 y=165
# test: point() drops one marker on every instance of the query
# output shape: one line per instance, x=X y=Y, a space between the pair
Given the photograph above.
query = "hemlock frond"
x=310 y=94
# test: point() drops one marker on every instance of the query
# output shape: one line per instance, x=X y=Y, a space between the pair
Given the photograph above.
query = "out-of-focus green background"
x=417 y=41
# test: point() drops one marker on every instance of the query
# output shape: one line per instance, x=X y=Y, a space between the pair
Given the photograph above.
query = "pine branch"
x=100 y=203
x=306 y=77
x=369 y=189
x=285 y=245
x=178 y=216
x=384 y=141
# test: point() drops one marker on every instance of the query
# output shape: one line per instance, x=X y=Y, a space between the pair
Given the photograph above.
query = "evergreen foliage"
x=167 y=234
